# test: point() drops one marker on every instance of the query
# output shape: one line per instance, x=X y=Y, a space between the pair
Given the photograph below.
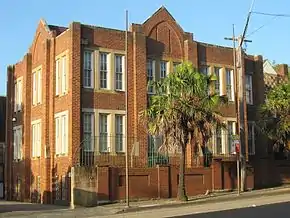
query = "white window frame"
x=123 y=133
x=249 y=88
x=251 y=131
x=106 y=71
x=18 y=94
x=90 y=69
x=36 y=138
x=57 y=76
x=92 y=124
x=218 y=81
x=230 y=84
x=234 y=126
x=150 y=75
x=224 y=137
x=163 y=69
x=61 y=74
x=17 y=143
x=61 y=133
x=122 y=72
x=108 y=147
x=37 y=86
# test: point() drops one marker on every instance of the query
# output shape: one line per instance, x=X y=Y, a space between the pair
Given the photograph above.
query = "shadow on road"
x=10 y=206
x=265 y=211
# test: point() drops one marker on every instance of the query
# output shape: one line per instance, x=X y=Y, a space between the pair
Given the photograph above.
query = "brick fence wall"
x=103 y=183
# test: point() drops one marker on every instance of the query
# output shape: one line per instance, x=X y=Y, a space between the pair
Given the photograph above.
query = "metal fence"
x=145 y=152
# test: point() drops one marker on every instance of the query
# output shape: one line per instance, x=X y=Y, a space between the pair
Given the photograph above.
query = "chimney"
x=282 y=70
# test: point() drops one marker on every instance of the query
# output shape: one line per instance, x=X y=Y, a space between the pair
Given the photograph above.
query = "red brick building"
x=71 y=85
x=2 y=142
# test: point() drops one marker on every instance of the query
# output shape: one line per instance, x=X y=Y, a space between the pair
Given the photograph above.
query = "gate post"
x=72 y=185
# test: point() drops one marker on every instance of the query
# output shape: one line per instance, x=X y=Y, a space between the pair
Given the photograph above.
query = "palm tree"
x=183 y=110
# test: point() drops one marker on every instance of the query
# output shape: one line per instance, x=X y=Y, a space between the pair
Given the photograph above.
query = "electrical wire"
x=256 y=30
x=270 y=14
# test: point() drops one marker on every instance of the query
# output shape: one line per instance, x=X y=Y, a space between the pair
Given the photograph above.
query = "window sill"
x=17 y=160
x=36 y=105
x=35 y=158
x=61 y=155
x=61 y=95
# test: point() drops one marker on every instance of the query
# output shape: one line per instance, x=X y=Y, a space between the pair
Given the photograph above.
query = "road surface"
x=270 y=206
x=267 y=211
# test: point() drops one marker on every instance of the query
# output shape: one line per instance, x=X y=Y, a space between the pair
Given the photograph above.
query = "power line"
x=271 y=14
x=256 y=30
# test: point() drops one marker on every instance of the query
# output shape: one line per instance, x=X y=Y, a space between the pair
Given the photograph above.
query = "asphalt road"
x=266 y=211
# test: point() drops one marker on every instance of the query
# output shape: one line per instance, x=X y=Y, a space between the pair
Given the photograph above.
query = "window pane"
x=217 y=82
x=119 y=68
x=218 y=140
x=163 y=69
x=103 y=70
x=119 y=132
x=103 y=128
x=87 y=74
x=88 y=134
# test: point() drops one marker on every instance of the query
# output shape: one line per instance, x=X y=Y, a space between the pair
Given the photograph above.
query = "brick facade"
x=159 y=37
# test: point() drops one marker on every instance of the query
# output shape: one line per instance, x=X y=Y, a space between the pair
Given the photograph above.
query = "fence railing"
x=111 y=150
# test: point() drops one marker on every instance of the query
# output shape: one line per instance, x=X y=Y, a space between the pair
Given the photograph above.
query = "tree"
x=276 y=114
x=183 y=110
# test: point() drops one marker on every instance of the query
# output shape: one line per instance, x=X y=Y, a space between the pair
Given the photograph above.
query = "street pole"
x=126 y=120
x=238 y=63
x=237 y=105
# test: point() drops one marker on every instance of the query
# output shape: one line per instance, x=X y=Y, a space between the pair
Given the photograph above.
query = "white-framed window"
x=104 y=70
x=120 y=132
x=18 y=86
x=230 y=84
x=61 y=133
x=163 y=69
x=150 y=75
x=205 y=70
x=36 y=138
x=88 y=69
x=17 y=143
x=231 y=132
x=119 y=72
x=218 y=140
x=104 y=133
x=217 y=72
x=61 y=75
x=251 y=138
x=88 y=131
x=37 y=87
x=249 y=89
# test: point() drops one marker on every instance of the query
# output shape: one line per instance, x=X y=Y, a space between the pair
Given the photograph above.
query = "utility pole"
x=126 y=120
x=241 y=106
x=239 y=75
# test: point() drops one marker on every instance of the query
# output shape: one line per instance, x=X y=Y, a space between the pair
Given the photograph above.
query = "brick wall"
x=103 y=183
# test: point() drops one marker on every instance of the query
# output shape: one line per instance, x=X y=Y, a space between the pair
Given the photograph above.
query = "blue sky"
x=209 y=20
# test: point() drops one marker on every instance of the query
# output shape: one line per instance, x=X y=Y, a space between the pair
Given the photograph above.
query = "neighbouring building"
x=66 y=101
x=2 y=142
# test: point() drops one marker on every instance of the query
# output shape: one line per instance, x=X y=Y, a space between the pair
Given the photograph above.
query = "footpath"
x=16 y=209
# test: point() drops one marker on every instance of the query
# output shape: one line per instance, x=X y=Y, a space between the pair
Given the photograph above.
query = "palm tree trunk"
x=181 y=195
